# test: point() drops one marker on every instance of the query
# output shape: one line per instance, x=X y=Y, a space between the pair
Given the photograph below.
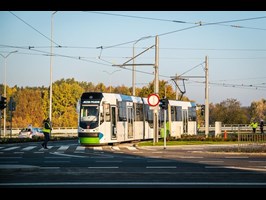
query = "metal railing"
x=56 y=132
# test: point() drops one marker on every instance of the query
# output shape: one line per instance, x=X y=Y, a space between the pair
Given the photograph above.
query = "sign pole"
x=164 y=128
x=153 y=101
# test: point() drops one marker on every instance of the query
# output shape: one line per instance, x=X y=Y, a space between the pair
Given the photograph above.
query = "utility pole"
x=206 y=97
x=51 y=68
x=5 y=58
x=156 y=80
x=156 y=90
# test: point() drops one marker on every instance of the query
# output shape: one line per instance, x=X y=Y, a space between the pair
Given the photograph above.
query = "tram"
x=108 y=118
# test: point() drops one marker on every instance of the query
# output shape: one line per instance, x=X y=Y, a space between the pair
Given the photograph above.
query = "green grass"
x=180 y=142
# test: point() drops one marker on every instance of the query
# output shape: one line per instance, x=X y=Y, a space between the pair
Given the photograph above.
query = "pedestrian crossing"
x=63 y=148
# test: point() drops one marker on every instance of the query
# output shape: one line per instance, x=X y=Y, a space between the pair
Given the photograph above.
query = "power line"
x=138 y=17
x=34 y=29
x=199 y=24
x=185 y=22
x=242 y=86
x=130 y=47
x=192 y=68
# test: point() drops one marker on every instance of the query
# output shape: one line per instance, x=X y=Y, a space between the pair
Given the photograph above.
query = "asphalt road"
x=67 y=165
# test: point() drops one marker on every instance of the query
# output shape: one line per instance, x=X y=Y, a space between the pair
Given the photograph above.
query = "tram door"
x=130 y=122
x=185 y=121
x=113 y=122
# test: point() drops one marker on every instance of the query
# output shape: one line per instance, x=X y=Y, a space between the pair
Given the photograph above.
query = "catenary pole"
x=156 y=90
x=206 y=97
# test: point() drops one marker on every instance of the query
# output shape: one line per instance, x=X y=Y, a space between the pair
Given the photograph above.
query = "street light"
x=5 y=57
x=134 y=68
x=51 y=68
x=110 y=73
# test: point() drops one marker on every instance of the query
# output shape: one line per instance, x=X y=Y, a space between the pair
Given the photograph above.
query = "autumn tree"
x=258 y=110
x=228 y=112
x=28 y=108
x=65 y=97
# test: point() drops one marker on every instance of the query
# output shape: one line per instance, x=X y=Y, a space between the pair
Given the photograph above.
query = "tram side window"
x=192 y=113
x=178 y=113
x=148 y=113
x=173 y=113
x=139 y=112
x=122 y=111
x=106 y=111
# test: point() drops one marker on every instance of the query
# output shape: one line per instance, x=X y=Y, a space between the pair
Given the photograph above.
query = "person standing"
x=254 y=126
x=46 y=131
x=261 y=126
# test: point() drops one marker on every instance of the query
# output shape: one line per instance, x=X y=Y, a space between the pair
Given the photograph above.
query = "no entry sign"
x=153 y=100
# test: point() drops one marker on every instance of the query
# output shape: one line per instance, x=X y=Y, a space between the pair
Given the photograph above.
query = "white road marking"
x=190 y=157
x=132 y=148
x=10 y=148
x=97 y=148
x=28 y=148
x=116 y=148
x=114 y=167
x=80 y=148
x=68 y=155
x=135 y=183
x=63 y=148
x=161 y=167
x=211 y=161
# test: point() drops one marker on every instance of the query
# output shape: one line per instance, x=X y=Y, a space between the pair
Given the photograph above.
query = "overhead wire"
x=35 y=29
x=112 y=46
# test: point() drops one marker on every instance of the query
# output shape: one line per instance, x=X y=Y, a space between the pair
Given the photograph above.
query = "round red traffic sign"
x=153 y=100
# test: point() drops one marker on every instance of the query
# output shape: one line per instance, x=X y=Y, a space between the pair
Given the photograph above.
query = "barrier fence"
x=56 y=132
x=243 y=131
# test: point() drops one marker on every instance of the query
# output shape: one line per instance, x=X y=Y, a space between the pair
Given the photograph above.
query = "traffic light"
x=202 y=109
x=164 y=103
x=12 y=106
x=3 y=103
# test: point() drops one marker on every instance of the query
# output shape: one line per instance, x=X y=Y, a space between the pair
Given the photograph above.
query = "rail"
x=232 y=128
x=72 y=131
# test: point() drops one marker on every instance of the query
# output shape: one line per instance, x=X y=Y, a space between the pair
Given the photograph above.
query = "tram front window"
x=89 y=116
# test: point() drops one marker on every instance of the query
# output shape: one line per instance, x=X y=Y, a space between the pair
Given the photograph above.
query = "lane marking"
x=63 y=148
x=161 y=167
x=28 y=148
x=10 y=148
x=137 y=183
x=114 y=167
x=68 y=155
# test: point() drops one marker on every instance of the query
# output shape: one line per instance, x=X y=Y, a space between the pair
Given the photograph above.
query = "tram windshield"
x=89 y=113
x=89 y=116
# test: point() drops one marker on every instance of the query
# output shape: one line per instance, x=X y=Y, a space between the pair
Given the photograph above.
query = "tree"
x=65 y=97
x=258 y=110
x=228 y=112
x=28 y=108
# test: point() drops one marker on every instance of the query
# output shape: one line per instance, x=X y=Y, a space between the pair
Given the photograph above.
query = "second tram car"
x=106 y=118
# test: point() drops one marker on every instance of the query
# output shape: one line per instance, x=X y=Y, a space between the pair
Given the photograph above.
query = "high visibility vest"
x=46 y=127
x=255 y=125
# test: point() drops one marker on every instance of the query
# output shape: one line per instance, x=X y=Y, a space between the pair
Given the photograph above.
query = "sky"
x=90 y=45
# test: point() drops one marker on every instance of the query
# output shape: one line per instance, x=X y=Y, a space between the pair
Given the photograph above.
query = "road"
x=66 y=164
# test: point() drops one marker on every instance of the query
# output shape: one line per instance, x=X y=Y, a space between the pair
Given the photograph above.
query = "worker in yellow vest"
x=46 y=131
x=254 y=126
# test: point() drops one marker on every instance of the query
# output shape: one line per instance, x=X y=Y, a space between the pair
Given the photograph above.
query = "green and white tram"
x=107 y=118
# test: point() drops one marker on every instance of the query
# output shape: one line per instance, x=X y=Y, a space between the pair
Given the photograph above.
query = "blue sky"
x=92 y=42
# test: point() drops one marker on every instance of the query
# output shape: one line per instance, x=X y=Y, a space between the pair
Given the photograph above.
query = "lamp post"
x=5 y=57
x=51 y=68
x=134 y=68
x=110 y=73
